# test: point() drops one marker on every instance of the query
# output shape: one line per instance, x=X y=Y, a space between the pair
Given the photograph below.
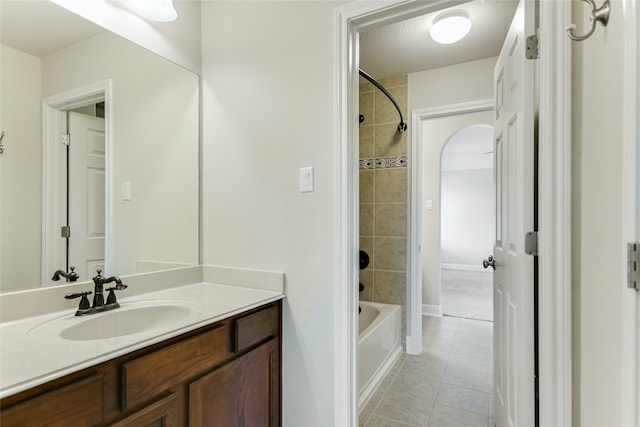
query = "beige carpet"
x=467 y=294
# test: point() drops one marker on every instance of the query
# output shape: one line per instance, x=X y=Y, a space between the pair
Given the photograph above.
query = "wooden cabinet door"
x=163 y=413
x=242 y=393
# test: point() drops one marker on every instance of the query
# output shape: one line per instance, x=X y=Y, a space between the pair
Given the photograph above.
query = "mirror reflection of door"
x=86 y=194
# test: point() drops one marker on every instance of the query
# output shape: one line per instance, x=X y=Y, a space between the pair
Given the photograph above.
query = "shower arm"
x=402 y=126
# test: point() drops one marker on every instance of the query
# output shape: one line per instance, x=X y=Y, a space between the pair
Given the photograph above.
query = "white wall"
x=469 y=81
x=178 y=41
x=155 y=137
x=468 y=219
x=20 y=169
x=598 y=65
x=268 y=110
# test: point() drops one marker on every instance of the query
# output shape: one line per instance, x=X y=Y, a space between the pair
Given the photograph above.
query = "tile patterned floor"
x=449 y=384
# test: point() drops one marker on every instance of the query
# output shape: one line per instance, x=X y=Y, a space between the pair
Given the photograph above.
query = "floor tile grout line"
x=433 y=404
x=396 y=421
x=384 y=392
x=464 y=410
x=468 y=389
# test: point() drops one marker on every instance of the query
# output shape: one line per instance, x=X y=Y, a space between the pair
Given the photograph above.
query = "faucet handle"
x=84 y=301
x=72 y=276
x=118 y=287
x=111 y=298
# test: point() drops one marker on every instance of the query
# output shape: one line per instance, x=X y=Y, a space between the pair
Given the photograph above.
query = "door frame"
x=554 y=201
x=630 y=340
x=54 y=110
x=418 y=117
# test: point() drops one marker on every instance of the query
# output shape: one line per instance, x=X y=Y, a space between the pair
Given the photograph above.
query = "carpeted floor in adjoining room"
x=467 y=294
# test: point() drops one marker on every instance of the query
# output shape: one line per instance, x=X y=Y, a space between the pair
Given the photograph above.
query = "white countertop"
x=32 y=353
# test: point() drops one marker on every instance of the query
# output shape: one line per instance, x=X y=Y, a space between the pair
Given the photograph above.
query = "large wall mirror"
x=120 y=192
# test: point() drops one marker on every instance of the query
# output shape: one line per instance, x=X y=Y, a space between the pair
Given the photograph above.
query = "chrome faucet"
x=99 y=304
x=71 y=276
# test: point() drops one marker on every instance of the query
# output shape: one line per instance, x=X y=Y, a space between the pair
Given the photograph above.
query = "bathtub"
x=378 y=345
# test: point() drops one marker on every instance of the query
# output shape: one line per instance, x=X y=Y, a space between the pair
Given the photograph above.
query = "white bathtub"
x=378 y=346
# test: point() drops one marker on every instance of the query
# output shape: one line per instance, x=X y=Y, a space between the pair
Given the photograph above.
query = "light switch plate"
x=429 y=205
x=306 y=180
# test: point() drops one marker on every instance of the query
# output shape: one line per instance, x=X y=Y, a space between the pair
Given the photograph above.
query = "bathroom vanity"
x=224 y=374
x=219 y=366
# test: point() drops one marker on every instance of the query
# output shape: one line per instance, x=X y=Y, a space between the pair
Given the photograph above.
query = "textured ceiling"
x=406 y=47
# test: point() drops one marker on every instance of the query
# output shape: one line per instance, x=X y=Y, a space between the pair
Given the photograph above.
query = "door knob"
x=489 y=262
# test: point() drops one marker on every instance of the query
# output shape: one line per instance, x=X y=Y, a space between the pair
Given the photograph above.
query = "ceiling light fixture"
x=450 y=27
x=156 y=10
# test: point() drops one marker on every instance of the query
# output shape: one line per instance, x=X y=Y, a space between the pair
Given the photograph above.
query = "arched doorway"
x=467 y=223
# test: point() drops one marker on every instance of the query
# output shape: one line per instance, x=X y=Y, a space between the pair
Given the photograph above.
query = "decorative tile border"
x=384 y=163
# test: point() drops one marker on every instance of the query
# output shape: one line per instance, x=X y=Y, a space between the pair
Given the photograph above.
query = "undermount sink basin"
x=131 y=318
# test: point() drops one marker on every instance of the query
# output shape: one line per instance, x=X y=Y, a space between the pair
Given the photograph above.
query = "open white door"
x=513 y=280
x=86 y=194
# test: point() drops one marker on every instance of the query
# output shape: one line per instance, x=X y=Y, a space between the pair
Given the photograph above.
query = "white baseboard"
x=466 y=267
x=431 y=310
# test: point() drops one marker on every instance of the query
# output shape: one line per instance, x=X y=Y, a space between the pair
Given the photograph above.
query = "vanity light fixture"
x=450 y=27
x=155 y=10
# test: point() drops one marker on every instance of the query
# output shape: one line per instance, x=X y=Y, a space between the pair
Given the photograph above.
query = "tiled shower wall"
x=383 y=192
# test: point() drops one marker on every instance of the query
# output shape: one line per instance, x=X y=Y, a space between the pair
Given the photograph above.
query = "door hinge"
x=531 y=243
x=633 y=266
x=66 y=139
x=65 y=231
x=532 y=47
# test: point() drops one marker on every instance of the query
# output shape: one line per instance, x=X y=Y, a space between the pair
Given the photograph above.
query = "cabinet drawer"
x=255 y=327
x=77 y=404
x=150 y=375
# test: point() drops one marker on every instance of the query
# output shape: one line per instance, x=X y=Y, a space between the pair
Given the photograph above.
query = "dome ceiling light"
x=155 y=10
x=450 y=27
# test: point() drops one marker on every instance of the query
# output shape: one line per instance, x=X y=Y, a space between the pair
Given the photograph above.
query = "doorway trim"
x=54 y=110
x=554 y=202
x=630 y=315
x=554 y=216
x=414 y=294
